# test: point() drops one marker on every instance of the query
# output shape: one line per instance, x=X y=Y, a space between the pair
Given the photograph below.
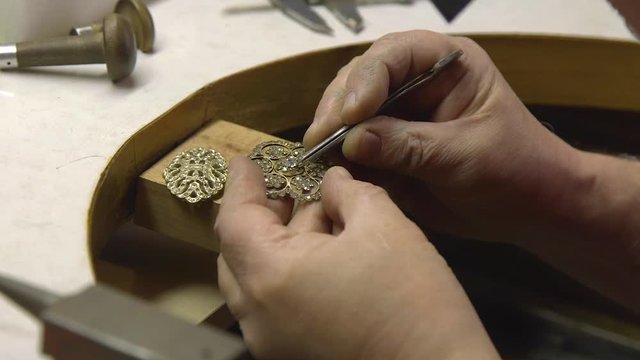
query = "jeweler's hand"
x=348 y=277
x=489 y=169
x=488 y=164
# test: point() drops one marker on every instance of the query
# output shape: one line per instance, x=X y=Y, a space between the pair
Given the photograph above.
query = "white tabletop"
x=60 y=126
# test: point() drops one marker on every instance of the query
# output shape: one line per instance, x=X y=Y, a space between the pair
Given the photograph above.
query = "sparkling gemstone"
x=297 y=152
x=304 y=184
x=275 y=151
x=275 y=181
x=289 y=166
x=265 y=165
x=316 y=170
x=284 y=174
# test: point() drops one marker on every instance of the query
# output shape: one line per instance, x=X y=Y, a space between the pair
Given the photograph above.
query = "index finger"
x=386 y=65
x=390 y=62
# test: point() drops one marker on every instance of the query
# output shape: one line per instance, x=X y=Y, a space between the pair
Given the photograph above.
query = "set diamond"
x=284 y=175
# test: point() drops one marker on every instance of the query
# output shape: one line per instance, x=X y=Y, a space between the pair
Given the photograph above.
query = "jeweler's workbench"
x=62 y=125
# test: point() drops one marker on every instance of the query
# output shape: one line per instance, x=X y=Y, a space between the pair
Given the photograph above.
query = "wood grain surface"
x=157 y=209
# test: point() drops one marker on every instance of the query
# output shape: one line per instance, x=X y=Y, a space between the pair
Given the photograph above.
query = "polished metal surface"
x=8 y=56
x=82 y=30
x=301 y=12
x=337 y=137
x=347 y=13
x=29 y=298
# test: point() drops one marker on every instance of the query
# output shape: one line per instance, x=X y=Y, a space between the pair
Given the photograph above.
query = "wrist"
x=597 y=197
x=594 y=231
x=612 y=206
x=444 y=327
x=453 y=339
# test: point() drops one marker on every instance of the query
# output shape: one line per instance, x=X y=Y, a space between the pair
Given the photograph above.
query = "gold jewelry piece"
x=196 y=174
x=284 y=175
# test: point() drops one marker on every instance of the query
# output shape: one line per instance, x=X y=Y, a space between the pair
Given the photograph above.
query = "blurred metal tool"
x=347 y=13
x=337 y=137
x=301 y=11
x=102 y=323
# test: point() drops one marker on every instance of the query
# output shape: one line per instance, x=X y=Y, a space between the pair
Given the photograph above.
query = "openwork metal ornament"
x=284 y=175
x=196 y=174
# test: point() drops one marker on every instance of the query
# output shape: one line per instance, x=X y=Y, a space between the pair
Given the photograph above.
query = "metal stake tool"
x=115 y=46
x=102 y=323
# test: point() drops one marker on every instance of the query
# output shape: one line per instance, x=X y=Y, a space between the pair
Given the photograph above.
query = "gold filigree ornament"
x=284 y=175
x=196 y=174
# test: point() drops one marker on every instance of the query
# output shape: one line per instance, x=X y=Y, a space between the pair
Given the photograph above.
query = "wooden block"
x=158 y=210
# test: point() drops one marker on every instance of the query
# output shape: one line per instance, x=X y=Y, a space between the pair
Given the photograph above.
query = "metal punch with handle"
x=337 y=137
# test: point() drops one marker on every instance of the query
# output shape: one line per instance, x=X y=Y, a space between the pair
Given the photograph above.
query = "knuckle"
x=277 y=234
x=368 y=69
x=264 y=289
x=467 y=42
x=347 y=68
x=370 y=191
x=391 y=37
x=416 y=150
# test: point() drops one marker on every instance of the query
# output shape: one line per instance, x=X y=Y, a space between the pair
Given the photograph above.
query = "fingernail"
x=310 y=130
x=362 y=145
x=370 y=144
x=313 y=125
x=349 y=104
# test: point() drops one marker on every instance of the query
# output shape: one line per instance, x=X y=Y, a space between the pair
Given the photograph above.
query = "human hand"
x=347 y=277
x=491 y=170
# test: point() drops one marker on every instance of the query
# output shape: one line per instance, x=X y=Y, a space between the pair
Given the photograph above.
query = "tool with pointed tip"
x=115 y=46
x=138 y=14
x=102 y=323
x=337 y=137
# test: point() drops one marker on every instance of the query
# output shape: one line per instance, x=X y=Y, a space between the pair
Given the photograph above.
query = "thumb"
x=406 y=147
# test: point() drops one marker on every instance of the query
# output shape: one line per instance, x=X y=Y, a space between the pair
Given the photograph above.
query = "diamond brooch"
x=284 y=175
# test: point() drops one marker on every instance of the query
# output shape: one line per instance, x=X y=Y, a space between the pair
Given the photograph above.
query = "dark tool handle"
x=68 y=50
